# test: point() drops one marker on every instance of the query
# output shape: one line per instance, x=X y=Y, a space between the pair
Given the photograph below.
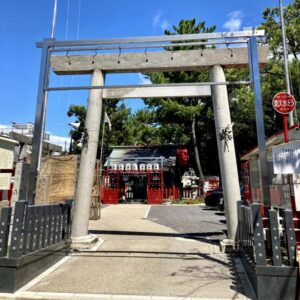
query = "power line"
x=67 y=22
x=78 y=21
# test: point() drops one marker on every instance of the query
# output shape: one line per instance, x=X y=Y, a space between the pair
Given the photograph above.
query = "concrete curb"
x=69 y=296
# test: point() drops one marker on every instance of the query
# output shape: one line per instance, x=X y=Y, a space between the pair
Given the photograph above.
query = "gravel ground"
x=197 y=222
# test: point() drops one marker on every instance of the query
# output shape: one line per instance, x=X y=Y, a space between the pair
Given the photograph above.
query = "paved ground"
x=197 y=222
x=146 y=257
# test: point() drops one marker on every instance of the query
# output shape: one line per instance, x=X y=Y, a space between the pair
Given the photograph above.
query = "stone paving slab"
x=152 y=261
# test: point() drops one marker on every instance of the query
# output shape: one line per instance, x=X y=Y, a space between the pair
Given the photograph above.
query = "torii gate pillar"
x=226 y=150
x=80 y=237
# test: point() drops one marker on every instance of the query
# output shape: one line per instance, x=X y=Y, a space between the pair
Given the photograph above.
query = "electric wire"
x=62 y=77
x=78 y=20
x=67 y=20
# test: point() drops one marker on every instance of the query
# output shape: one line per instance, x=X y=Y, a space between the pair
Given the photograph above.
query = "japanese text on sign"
x=283 y=103
x=286 y=158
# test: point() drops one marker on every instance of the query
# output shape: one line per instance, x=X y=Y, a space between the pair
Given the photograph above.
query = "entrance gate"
x=144 y=60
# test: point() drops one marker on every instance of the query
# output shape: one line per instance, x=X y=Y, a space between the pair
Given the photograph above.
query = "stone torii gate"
x=215 y=59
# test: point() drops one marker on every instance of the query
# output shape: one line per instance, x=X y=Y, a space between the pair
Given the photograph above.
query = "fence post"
x=41 y=227
x=288 y=223
x=248 y=229
x=28 y=230
x=258 y=234
x=58 y=223
x=18 y=237
x=47 y=225
x=35 y=232
x=65 y=221
x=275 y=238
x=52 y=225
x=69 y=217
x=4 y=229
x=240 y=222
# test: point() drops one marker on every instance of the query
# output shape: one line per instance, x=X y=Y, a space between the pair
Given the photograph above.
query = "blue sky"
x=23 y=23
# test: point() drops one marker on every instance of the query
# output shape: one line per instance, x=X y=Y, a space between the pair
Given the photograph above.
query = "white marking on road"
x=185 y=239
x=147 y=213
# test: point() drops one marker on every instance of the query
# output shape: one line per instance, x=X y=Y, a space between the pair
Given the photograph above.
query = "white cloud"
x=156 y=19
x=159 y=22
x=143 y=79
x=164 y=24
x=235 y=21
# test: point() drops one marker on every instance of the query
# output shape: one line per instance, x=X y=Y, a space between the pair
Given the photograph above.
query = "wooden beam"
x=156 y=92
x=189 y=60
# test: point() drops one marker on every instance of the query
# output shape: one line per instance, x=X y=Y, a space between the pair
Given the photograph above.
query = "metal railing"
x=33 y=227
x=269 y=240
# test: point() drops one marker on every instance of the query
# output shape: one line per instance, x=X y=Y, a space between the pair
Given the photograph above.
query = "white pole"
x=285 y=59
x=226 y=150
x=54 y=19
x=87 y=164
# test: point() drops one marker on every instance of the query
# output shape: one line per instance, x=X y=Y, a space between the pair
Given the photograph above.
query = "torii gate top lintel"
x=147 y=61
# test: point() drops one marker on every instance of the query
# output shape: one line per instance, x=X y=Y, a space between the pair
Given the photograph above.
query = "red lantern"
x=182 y=157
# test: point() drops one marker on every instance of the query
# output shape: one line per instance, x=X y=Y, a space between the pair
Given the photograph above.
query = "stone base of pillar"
x=227 y=245
x=88 y=242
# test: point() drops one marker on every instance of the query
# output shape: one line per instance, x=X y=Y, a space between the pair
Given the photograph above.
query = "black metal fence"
x=268 y=251
x=269 y=240
x=33 y=227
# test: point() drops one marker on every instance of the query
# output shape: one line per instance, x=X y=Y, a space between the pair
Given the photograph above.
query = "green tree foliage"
x=79 y=112
x=180 y=119
x=143 y=130
x=273 y=77
x=273 y=29
x=119 y=116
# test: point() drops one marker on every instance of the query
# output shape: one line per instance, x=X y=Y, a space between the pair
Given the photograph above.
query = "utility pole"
x=40 y=116
x=54 y=19
x=285 y=59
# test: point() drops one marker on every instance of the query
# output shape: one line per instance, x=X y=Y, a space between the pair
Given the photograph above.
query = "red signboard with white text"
x=284 y=103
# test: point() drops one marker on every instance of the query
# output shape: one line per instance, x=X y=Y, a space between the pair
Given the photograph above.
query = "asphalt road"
x=193 y=221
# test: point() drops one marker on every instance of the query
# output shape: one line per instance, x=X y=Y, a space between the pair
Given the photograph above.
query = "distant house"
x=279 y=187
x=7 y=158
x=143 y=173
x=23 y=134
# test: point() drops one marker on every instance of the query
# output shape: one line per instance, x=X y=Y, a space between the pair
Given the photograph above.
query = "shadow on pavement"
x=153 y=254
x=201 y=236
